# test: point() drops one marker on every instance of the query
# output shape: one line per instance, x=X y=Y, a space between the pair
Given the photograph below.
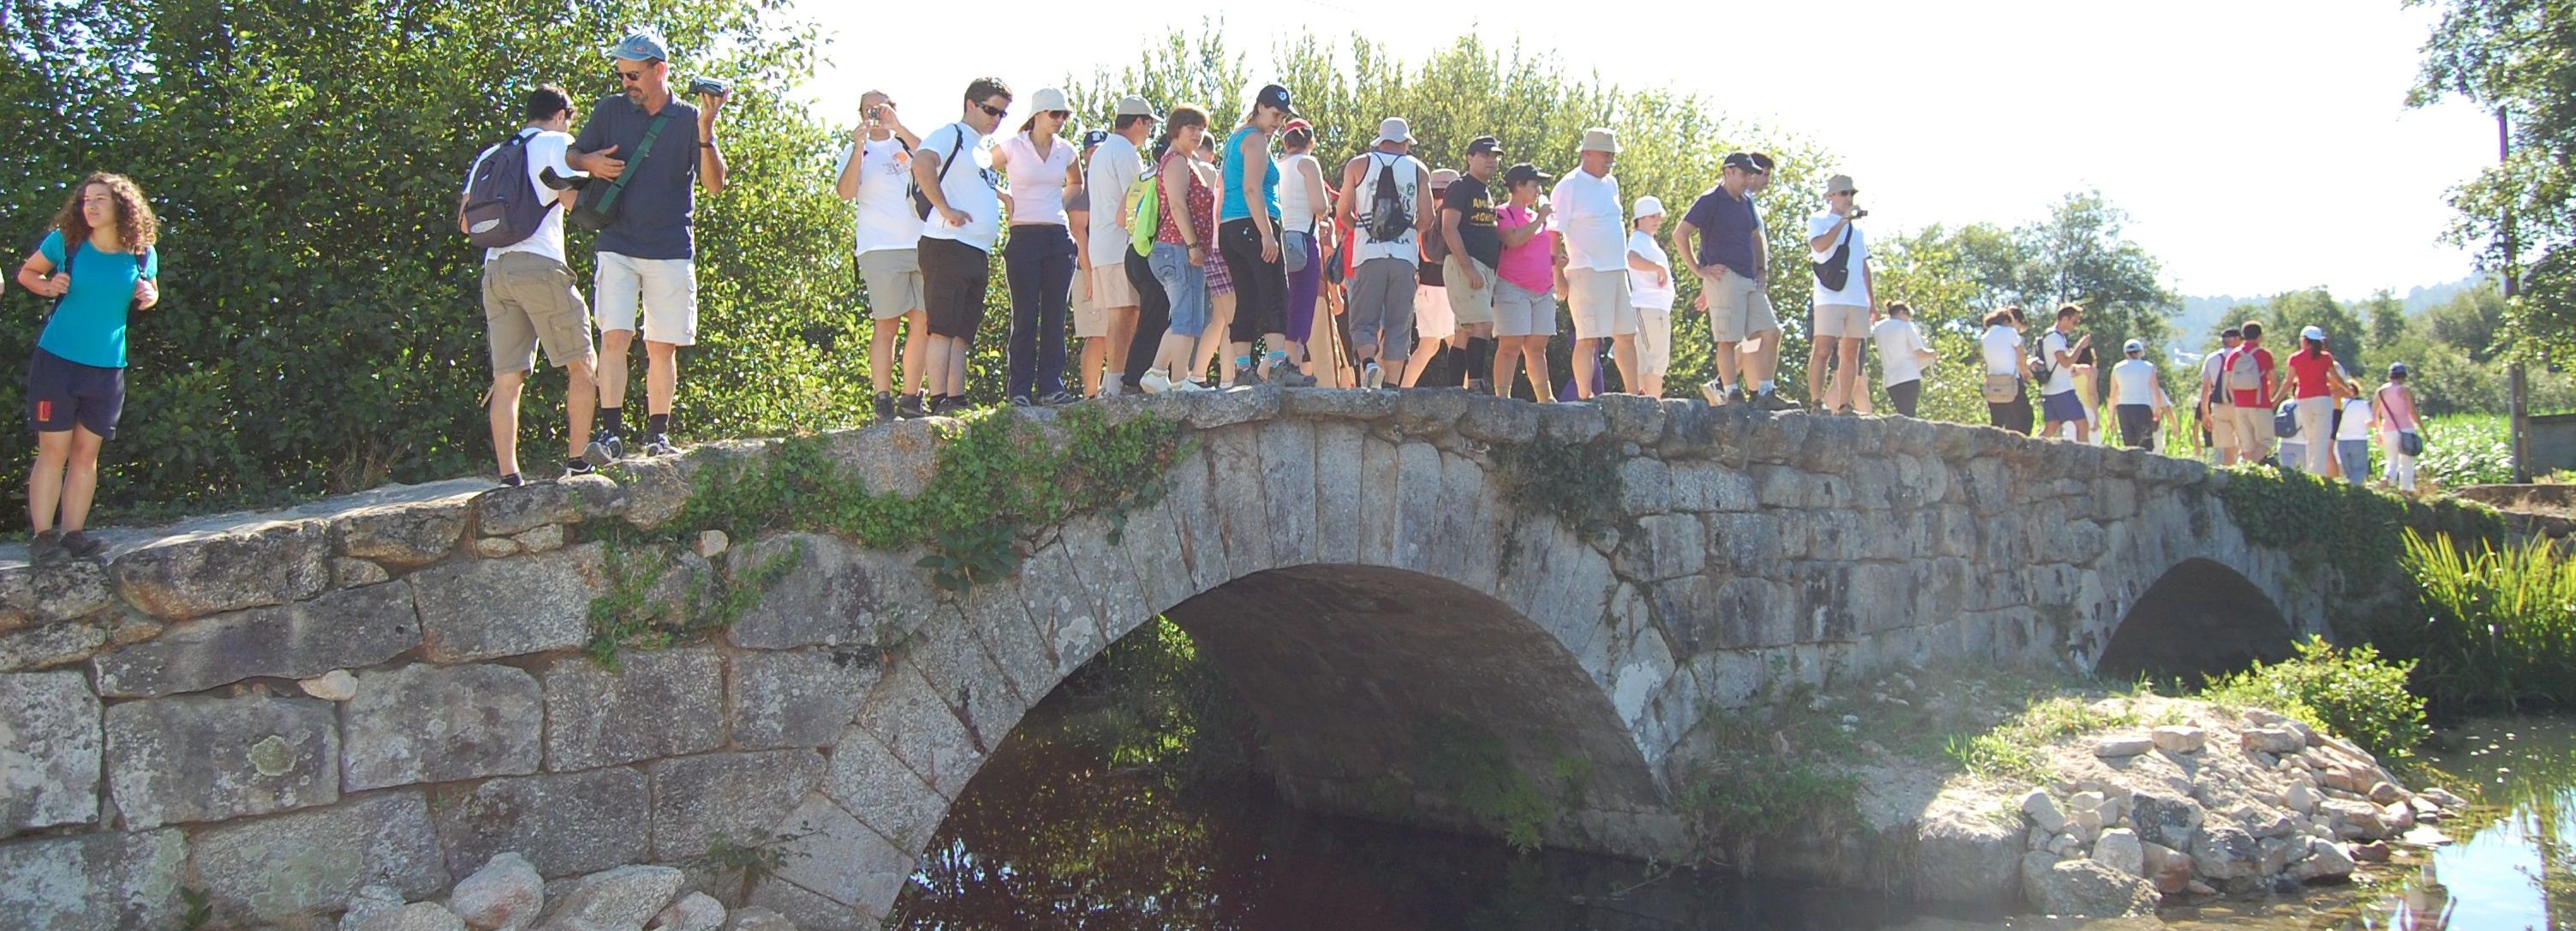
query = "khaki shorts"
x=1469 y=306
x=1090 y=319
x=2253 y=431
x=1599 y=300
x=2222 y=427
x=1842 y=321
x=1110 y=287
x=1519 y=311
x=894 y=281
x=1654 y=340
x=1737 y=307
x=663 y=291
x=529 y=301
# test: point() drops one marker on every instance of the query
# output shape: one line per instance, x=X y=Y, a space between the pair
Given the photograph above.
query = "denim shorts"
x=1185 y=284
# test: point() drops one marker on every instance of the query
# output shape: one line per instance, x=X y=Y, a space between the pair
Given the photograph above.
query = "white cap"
x=1048 y=100
x=1648 y=206
x=2314 y=333
x=2134 y=346
x=1395 y=129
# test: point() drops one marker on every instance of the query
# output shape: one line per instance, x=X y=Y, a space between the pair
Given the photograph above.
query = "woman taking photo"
x=1525 y=298
x=1038 y=259
x=99 y=266
x=1187 y=206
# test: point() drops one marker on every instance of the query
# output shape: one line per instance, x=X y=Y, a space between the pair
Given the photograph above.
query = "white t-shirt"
x=2356 y=420
x=2133 y=381
x=1643 y=292
x=1297 y=211
x=1115 y=166
x=2002 y=349
x=970 y=185
x=1855 y=292
x=886 y=220
x=545 y=150
x=2209 y=371
x=1898 y=341
x=2061 y=376
x=1037 y=181
x=1589 y=216
x=1410 y=179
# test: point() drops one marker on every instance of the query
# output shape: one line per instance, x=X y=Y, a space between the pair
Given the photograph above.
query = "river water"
x=1109 y=811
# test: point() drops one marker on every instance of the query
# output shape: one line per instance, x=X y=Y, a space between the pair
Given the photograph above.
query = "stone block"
x=404 y=535
x=897 y=458
x=1773 y=439
x=1337 y=404
x=658 y=703
x=1665 y=546
x=1417 y=507
x=487 y=608
x=732 y=797
x=197 y=574
x=1632 y=418
x=657 y=488
x=1831 y=444
x=506 y=894
x=909 y=717
x=867 y=779
x=49 y=751
x=546 y=539
x=837 y=594
x=565 y=825
x=969 y=682
x=1432 y=411
x=1964 y=856
x=37 y=595
x=173 y=760
x=1645 y=486
x=1569 y=424
x=51 y=645
x=804 y=910
x=613 y=900
x=423 y=723
x=1239 y=499
x=1106 y=572
x=1208 y=410
x=801 y=698
x=2084 y=889
x=836 y=855
x=1707 y=486
x=1337 y=492
x=277 y=868
x=1287 y=469
x=1489 y=419
x=417 y=916
x=109 y=881
x=508 y=512
x=341 y=629
x=1062 y=613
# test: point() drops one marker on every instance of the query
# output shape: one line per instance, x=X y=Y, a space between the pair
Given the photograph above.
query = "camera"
x=1858 y=213
x=709 y=86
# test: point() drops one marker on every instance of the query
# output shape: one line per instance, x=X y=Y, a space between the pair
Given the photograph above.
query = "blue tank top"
x=1235 y=207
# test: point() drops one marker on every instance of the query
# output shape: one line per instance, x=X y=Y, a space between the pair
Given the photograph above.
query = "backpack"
x=1145 y=204
x=502 y=206
x=1390 y=214
x=920 y=201
x=1435 y=247
x=2249 y=379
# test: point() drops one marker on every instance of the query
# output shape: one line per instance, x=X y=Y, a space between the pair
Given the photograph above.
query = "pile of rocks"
x=2223 y=804
x=508 y=895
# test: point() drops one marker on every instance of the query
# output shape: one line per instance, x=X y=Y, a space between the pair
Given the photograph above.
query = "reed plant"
x=2496 y=629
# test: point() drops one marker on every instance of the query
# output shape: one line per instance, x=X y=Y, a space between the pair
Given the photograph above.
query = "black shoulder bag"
x=921 y=201
x=1833 y=273
x=597 y=205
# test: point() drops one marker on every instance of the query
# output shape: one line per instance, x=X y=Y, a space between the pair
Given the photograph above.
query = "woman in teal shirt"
x=1248 y=241
x=99 y=266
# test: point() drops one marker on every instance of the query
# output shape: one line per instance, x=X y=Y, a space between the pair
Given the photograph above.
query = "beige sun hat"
x=1598 y=139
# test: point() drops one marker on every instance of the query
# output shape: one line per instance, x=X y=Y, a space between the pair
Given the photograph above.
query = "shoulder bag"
x=597 y=205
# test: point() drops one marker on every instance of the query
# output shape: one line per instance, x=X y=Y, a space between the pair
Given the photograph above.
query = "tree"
x=2387 y=316
x=2516 y=58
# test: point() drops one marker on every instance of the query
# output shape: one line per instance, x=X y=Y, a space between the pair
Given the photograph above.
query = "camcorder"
x=1859 y=213
x=709 y=86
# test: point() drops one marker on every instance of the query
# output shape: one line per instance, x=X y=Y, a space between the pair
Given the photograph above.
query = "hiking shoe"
x=1154 y=382
x=947 y=406
x=1022 y=400
x=1480 y=385
x=909 y=407
x=1716 y=395
x=47 y=547
x=578 y=465
x=1372 y=377
x=80 y=545
x=1772 y=401
x=659 y=444
x=1060 y=399
x=1848 y=411
x=604 y=448
x=884 y=406
x=1247 y=377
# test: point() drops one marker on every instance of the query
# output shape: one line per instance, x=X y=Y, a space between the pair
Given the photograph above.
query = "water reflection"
x=1131 y=799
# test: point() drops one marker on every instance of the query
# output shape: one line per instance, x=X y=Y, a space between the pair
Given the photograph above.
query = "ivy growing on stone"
x=1579 y=483
x=637 y=613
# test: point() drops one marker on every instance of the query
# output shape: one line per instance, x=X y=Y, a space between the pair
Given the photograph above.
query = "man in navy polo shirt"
x=647 y=257
x=1722 y=238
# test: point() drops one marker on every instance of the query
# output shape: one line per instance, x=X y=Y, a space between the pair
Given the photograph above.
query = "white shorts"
x=1842 y=321
x=1599 y=300
x=1432 y=317
x=1654 y=340
x=665 y=290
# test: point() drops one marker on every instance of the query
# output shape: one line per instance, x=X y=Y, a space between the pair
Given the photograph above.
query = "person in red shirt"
x=2249 y=376
x=2312 y=381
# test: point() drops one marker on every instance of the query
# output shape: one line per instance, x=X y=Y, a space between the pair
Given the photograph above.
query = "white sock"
x=1766 y=386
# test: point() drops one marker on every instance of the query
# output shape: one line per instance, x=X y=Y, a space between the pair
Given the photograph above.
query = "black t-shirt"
x=1476 y=229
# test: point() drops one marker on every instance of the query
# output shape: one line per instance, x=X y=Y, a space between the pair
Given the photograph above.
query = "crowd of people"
x=1184 y=256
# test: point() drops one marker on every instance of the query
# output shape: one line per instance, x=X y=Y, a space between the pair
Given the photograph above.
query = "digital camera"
x=709 y=86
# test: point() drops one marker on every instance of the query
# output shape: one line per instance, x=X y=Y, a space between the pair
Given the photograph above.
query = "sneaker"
x=909 y=407
x=1716 y=395
x=948 y=406
x=1480 y=385
x=47 y=547
x=605 y=448
x=1022 y=400
x=1155 y=382
x=1186 y=385
x=80 y=545
x=1247 y=377
x=659 y=444
x=1772 y=401
x=884 y=405
x=1372 y=377
x=578 y=465
x=1287 y=376
x=1737 y=397
x=512 y=480
x=1848 y=411
x=1060 y=399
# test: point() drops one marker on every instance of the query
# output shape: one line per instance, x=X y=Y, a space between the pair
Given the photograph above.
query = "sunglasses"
x=630 y=77
x=991 y=110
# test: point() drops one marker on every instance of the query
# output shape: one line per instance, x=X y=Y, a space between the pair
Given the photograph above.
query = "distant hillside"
x=2200 y=316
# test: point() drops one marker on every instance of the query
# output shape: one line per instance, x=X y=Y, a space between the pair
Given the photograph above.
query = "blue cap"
x=640 y=45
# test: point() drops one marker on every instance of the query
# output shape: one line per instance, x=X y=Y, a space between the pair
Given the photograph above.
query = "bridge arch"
x=2201 y=617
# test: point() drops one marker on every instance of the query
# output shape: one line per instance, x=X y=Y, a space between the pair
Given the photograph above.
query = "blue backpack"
x=502 y=207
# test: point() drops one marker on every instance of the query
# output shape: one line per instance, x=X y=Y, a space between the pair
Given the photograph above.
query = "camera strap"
x=652 y=131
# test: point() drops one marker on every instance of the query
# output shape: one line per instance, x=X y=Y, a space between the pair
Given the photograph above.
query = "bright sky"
x=2259 y=145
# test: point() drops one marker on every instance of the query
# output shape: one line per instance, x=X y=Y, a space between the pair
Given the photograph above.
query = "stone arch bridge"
x=389 y=687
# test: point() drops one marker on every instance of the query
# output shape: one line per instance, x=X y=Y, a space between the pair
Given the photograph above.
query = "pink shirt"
x=1531 y=265
x=2396 y=409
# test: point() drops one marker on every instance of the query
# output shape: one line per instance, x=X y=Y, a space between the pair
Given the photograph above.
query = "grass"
x=2014 y=749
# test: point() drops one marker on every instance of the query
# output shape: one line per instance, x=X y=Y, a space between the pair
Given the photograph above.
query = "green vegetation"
x=748 y=862
x=1473 y=767
x=641 y=612
x=1765 y=777
x=1579 y=483
x=2351 y=693
x=2496 y=630
x=2011 y=750
x=2465 y=449
x=2323 y=522
x=198 y=908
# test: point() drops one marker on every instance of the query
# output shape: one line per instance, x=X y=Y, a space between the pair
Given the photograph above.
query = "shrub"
x=2496 y=629
x=2466 y=449
x=2352 y=693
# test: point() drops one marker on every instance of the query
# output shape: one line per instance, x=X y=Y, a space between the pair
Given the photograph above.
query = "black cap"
x=1484 y=144
x=1741 y=162
x=1524 y=172
x=2397 y=370
x=1274 y=95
